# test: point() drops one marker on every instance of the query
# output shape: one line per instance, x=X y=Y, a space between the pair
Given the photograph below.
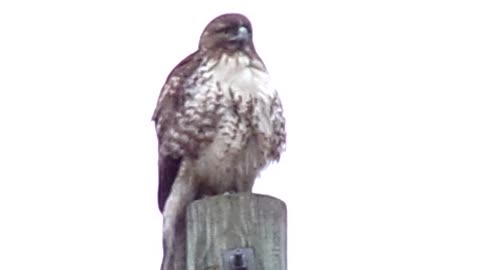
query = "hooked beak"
x=242 y=34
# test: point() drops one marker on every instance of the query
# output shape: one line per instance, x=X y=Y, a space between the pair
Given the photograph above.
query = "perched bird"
x=219 y=122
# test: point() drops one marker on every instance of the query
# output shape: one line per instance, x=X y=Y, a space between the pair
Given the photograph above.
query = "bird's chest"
x=244 y=97
x=232 y=100
x=242 y=112
x=239 y=98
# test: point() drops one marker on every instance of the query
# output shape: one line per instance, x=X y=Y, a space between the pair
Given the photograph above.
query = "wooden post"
x=254 y=226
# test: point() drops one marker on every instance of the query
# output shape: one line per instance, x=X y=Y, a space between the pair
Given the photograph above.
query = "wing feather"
x=170 y=101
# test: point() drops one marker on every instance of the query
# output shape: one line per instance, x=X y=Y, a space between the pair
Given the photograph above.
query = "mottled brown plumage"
x=219 y=122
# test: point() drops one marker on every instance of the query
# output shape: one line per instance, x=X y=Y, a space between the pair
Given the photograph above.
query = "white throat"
x=243 y=74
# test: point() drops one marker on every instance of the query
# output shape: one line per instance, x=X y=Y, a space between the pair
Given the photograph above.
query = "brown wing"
x=171 y=100
x=279 y=135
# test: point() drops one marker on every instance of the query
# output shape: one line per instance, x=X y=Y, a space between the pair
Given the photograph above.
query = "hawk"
x=219 y=122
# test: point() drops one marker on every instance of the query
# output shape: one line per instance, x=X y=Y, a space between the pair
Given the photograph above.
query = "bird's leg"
x=174 y=227
x=246 y=184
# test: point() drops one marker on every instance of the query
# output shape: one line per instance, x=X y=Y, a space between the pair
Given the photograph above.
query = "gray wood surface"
x=221 y=223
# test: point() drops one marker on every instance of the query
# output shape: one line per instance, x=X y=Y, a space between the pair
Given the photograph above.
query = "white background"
x=381 y=97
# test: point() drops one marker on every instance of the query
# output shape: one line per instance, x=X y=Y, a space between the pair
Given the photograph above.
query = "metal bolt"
x=238 y=260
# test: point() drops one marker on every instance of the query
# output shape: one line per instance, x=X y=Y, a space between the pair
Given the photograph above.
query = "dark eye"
x=227 y=30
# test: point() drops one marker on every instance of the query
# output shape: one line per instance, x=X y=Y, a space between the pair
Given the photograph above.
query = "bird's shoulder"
x=173 y=91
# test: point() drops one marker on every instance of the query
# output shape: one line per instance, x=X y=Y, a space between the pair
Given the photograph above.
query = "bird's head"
x=229 y=33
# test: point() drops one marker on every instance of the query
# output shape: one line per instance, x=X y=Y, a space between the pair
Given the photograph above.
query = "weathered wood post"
x=241 y=231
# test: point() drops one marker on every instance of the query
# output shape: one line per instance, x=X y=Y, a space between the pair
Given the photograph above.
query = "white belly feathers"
x=240 y=147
